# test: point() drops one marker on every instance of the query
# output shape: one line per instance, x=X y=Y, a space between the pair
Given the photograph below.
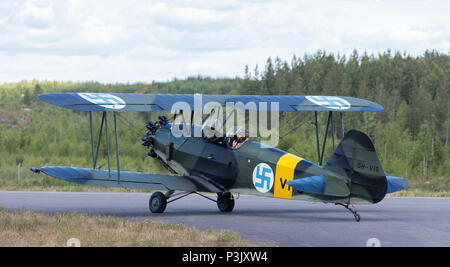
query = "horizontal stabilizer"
x=127 y=179
x=311 y=184
x=321 y=185
x=396 y=184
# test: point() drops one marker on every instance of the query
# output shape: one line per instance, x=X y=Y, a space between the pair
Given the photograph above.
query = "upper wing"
x=160 y=102
x=131 y=179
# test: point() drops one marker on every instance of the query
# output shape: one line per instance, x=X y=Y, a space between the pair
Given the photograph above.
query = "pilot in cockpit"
x=241 y=138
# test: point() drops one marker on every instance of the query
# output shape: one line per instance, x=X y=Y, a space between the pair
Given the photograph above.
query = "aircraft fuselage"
x=253 y=168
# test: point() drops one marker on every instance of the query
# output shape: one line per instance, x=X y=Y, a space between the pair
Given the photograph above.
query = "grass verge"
x=71 y=188
x=419 y=193
x=20 y=228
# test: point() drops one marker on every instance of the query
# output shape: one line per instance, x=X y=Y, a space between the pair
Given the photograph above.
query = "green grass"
x=419 y=193
x=34 y=229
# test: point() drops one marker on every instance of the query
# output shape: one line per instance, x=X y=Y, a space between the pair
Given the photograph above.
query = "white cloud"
x=140 y=40
x=187 y=17
x=35 y=16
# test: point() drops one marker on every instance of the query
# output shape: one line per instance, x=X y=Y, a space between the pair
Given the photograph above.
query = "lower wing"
x=130 y=179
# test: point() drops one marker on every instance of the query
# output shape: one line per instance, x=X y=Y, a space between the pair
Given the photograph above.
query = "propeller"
x=148 y=140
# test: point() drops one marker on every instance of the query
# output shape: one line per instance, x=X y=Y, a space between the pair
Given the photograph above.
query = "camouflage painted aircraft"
x=231 y=164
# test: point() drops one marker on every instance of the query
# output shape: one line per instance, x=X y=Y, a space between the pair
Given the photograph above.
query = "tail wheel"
x=158 y=202
x=225 y=202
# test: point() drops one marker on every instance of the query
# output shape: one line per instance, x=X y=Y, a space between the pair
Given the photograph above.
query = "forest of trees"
x=410 y=135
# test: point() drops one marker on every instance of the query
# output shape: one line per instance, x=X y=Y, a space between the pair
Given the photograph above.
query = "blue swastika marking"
x=102 y=99
x=330 y=102
x=263 y=177
x=105 y=100
x=265 y=180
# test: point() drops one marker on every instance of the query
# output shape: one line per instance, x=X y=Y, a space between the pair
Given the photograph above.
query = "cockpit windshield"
x=211 y=129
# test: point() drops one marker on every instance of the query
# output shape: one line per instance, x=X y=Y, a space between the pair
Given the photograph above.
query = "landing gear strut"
x=158 y=201
x=352 y=210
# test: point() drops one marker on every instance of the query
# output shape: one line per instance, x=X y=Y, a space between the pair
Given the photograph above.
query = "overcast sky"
x=142 y=40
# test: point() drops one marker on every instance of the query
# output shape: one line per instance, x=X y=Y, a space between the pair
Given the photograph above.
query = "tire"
x=225 y=202
x=157 y=203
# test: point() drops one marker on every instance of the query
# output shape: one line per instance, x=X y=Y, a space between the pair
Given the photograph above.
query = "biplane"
x=231 y=164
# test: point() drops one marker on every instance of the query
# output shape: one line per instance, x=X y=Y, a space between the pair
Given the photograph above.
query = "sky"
x=114 y=41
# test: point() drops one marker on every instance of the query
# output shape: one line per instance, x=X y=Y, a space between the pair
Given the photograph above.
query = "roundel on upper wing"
x=104 y=100
x=263 y=178
x=332 y=102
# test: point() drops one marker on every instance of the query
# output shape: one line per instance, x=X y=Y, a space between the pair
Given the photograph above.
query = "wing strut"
x=317 y=135
x=330 y=121
x=117 y=148
x=99 y=138
x=330 y=116
x=92 y=138
x=95 y=147
x=107 y=143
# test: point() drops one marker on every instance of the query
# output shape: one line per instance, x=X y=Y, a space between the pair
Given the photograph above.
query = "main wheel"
x=158 y=202
x=225 y=202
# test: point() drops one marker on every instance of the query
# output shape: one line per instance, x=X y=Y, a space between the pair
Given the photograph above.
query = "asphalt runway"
x=275 y=222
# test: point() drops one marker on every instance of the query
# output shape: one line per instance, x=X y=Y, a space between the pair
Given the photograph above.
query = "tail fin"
x=357 y=157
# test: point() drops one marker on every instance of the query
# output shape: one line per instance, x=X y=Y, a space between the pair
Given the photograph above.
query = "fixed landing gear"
x=158 y=201
x=352 y=210
x=225 y=202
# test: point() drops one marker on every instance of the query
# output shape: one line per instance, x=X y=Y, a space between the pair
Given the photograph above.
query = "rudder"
x=356 y=155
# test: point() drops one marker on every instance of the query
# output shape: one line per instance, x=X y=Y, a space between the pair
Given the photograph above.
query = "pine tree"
x=27 y=98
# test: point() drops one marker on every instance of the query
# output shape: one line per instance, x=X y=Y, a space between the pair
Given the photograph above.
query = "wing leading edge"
x=160 y=102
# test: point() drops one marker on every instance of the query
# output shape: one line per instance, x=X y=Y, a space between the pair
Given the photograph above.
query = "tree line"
x=411 y=133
